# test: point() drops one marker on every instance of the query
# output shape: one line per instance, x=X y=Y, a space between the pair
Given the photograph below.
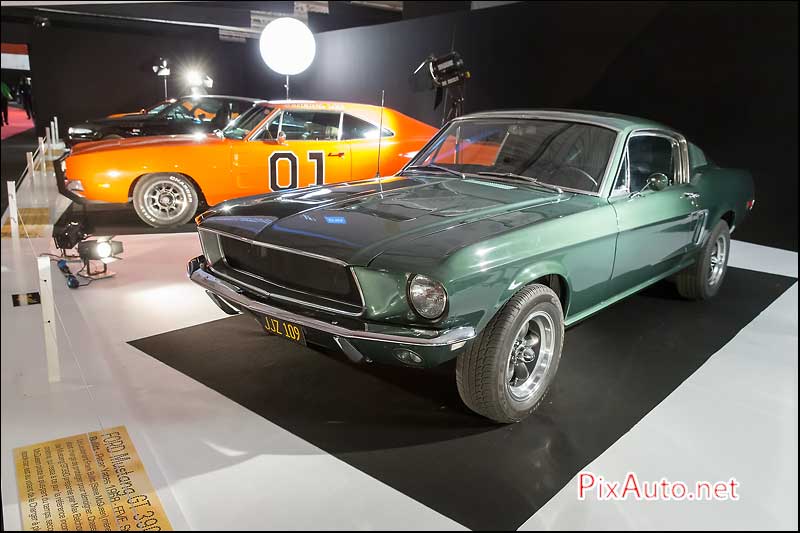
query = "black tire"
x=699 y=281
x=483 y=370
x=165 y=200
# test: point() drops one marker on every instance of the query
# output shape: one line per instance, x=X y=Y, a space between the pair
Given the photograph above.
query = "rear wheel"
x=164 y=200
x=507 y=370
x=703 y=279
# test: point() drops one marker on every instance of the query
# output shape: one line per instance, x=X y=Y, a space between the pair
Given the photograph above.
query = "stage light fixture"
x=443 y=73
x=103 y=250
x=287 y=46
x=99 y=250
x=448 y=70
x=194 y=78
x=161 y=69
x=67 y=237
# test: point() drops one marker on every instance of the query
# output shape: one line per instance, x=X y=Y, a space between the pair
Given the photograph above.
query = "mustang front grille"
x=305 y=279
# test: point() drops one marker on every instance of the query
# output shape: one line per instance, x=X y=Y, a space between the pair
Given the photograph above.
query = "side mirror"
x=658 y=181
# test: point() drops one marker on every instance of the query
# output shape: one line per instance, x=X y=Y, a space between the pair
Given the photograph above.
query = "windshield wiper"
x=528 y=179
x=437 y=167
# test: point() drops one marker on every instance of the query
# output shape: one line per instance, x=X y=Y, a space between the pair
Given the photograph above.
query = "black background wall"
x=725 y=74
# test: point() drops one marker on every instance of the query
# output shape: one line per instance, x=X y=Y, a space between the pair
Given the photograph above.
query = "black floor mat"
x=409 y=429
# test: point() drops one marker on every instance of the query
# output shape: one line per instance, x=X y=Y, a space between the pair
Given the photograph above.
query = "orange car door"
x=298 y=148
x=363 y=138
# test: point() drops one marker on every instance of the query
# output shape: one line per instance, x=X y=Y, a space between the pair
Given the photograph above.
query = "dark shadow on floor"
x=408 y=428
x=114 y=219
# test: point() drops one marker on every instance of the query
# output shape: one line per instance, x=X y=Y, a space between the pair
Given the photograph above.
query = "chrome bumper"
x=232 y=295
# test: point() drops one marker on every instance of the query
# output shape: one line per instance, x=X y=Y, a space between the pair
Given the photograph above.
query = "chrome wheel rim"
x=531 y=356
x=717 y=261
x=165 y=200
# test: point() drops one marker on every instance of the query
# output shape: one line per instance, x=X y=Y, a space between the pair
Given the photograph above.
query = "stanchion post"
x=31 y=167
x=55 y=130
x=13 y=214
x=41 y=155
x=48 y=140
x=49 y=320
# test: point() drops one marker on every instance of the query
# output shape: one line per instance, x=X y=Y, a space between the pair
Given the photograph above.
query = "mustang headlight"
x=427 y=297
x=80 y=131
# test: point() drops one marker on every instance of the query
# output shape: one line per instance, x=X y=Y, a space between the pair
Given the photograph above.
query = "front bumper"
x=359 y=340
x=61 y=182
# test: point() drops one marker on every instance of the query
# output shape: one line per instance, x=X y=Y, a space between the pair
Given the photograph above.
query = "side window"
x=355 y=128
x=271 y=131
x=621 y=181
x=697 y=158
x=238 y=107
x=648 y=154
x=206 y=110
x=180 y=111
x=307 y=126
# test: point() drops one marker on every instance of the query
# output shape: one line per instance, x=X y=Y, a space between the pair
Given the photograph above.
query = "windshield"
x=244 y=123
x=565 y=154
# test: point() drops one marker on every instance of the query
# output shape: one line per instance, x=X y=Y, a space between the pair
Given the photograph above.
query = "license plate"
x=284 y=328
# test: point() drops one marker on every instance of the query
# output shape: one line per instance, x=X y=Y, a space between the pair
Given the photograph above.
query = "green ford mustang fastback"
x=505 y=228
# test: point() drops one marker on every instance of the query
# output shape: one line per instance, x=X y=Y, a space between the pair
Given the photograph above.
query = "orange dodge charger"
x=274 y=146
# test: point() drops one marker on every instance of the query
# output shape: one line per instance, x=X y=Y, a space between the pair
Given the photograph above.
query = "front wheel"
x=165 y=200
x=507 y=370
x=703 y=279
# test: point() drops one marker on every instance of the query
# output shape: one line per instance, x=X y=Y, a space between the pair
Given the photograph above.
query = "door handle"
x=690 y=195
x=338 y=154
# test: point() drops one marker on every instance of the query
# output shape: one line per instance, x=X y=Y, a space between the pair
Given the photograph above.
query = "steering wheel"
x=582 y=173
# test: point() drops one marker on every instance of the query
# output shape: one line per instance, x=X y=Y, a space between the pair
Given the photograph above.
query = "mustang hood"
x=358 y=221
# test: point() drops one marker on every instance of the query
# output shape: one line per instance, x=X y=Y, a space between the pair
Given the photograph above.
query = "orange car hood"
x=159 y=141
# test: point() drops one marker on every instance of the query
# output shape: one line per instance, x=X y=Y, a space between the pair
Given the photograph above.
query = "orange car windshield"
x=244 y=123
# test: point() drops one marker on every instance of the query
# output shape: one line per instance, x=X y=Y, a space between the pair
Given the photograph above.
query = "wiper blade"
x=527 y=179
x=437 y=167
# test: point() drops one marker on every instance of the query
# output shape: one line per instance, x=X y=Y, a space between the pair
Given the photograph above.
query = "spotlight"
x=161 y=69
x=443 y=72
x=41 y=22
x=194 y=78
x=67 y=237
x=448 y=70
x=99 y=250
x=105 y=250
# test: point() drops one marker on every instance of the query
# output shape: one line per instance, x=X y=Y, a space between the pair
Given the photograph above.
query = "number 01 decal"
x=314 y=156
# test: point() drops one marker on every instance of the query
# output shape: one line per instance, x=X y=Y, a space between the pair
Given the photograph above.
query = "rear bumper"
x=359 y=340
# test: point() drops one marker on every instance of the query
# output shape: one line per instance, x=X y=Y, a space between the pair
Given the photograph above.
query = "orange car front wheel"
x=164 y=200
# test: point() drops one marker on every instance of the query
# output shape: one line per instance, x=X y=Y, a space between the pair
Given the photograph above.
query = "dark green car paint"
x=485 y=240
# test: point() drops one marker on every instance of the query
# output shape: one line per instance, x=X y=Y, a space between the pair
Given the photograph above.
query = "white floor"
x=217 y=465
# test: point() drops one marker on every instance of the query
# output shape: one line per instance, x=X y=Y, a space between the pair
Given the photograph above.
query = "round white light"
x=287 y=46
x=103 y=249
x=427 y=297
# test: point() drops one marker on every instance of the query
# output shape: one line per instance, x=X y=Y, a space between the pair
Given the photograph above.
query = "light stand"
x=162 y=71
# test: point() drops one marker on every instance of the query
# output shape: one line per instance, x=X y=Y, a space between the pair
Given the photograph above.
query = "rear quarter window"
x=697 y=158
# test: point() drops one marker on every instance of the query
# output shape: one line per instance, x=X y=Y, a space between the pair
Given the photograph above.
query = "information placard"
x=88 y=482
